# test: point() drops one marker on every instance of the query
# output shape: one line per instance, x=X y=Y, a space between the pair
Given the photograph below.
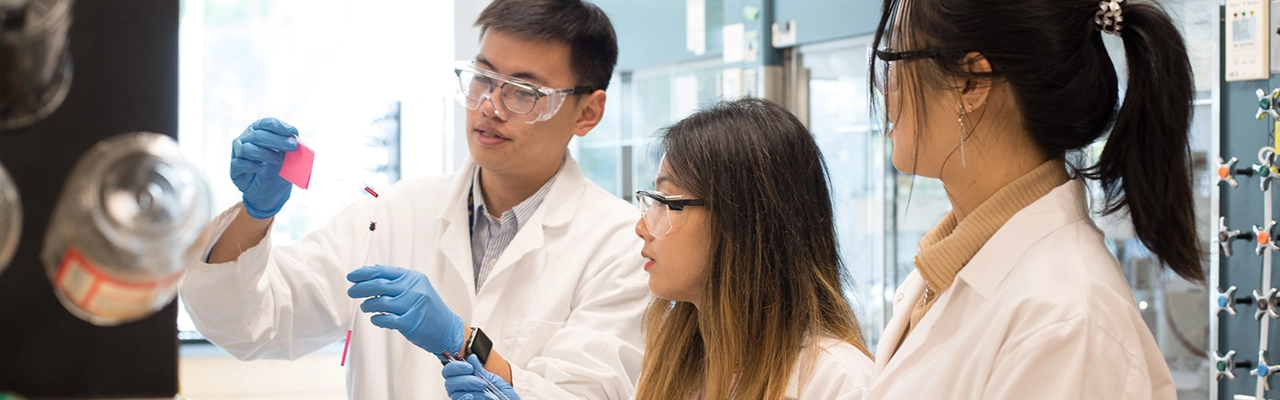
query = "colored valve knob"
x=1263 y=370
x=1266 y=304
x=1226 y=237
x=1267 y=104
x=1222 y=366
x=1227 y=172
x=1265 y=170
x=1263 y=237
x=1226 y=301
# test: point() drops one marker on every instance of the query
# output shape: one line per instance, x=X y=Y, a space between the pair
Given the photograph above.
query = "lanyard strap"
x=471 y=213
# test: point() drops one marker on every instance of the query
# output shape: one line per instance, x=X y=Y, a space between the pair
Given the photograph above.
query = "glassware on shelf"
x=10 y=218
x=122 y=232
x=35 y=61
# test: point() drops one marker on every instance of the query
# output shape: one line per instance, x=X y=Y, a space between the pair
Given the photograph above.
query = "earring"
x=960 y=118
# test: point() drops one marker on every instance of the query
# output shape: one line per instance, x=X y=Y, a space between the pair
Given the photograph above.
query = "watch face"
x=480 y=345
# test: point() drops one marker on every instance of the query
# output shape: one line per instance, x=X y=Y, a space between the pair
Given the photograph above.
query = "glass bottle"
x=122 y=232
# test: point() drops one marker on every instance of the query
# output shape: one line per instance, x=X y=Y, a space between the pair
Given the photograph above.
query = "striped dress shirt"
x=490 y=236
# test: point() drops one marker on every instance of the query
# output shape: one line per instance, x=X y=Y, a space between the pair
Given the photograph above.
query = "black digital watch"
x=476 y=343
x=480 y=345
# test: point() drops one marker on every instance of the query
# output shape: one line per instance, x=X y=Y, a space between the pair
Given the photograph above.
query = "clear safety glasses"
x=662 y=212
x=518 y=100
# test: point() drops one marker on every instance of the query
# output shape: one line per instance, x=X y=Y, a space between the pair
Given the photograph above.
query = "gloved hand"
x=462 y=384
x=256 y=158
x=407 y=303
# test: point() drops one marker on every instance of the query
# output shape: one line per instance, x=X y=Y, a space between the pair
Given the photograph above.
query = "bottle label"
x=100 y=294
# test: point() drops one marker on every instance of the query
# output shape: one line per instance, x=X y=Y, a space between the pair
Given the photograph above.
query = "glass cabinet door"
x=834 y=79
x=660 y=97
x=620 y=154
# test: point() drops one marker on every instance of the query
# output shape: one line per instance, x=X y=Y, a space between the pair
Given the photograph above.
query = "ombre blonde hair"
x=774 y=279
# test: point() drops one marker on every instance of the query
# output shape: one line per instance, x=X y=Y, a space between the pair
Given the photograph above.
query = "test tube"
x=373 y=225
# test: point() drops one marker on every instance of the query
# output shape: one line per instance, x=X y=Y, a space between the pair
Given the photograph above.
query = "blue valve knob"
x=1226 y=301
x=1263 y=370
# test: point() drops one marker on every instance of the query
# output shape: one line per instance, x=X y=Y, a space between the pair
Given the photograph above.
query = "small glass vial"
x=122 y=233
x=10 y=218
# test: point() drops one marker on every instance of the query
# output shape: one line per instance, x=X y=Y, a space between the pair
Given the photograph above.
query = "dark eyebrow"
x=528 y=76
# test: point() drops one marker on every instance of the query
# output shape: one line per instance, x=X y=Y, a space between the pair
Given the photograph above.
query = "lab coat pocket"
x=523 y=340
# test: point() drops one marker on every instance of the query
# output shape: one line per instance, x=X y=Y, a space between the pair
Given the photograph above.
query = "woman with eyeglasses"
x=1014 y=293
x=741 y=247
x=748 y=285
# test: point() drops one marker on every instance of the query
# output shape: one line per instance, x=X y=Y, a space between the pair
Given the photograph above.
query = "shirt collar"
x=522 y=211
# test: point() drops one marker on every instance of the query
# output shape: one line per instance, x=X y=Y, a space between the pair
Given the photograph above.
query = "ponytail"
x=1051 y=55
x=1145 y=166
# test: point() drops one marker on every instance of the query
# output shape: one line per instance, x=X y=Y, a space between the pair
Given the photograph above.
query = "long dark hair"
x=1051 y=55
x=774 y=273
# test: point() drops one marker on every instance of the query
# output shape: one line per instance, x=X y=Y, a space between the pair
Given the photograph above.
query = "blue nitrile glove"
x=407 y=303
x=462 y=383
x=256 y=157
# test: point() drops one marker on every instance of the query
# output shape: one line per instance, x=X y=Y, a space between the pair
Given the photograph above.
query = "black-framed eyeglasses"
x=674 y=202
x=656 y=210
x=890 y=55
x=883 y=76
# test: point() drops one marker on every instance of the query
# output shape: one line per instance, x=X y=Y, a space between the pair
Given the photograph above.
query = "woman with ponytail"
x=1014 y=294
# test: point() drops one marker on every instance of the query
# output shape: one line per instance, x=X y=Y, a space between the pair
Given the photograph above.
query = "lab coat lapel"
x=556 y=209
x=988 y=268
x=903 y=302
x=919 y=334
x=454 y=237
x=984 y=272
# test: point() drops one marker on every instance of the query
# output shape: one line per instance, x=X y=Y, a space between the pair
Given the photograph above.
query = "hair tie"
x=1108 y=17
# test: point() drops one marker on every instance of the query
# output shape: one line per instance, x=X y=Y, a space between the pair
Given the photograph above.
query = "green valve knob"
x=1267 y=104
x=1222 y=365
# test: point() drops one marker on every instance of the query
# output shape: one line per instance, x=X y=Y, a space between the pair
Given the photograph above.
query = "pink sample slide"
x=297 y=166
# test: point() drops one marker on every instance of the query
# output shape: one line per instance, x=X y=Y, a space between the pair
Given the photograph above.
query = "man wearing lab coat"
x=518 y=244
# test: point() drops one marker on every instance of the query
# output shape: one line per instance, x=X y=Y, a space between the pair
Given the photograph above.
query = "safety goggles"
x=661 y=212
x=518 y=100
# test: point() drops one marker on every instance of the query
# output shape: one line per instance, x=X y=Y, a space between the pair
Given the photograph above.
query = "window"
x=868 y=220
x=364 y=82
x=620 y=153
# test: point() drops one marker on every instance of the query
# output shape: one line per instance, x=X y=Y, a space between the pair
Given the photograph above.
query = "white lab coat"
x=835 y=370
x=1042 y=311
x=563 y=304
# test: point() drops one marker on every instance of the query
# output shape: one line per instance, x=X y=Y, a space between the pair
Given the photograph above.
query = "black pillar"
x=125 y=59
